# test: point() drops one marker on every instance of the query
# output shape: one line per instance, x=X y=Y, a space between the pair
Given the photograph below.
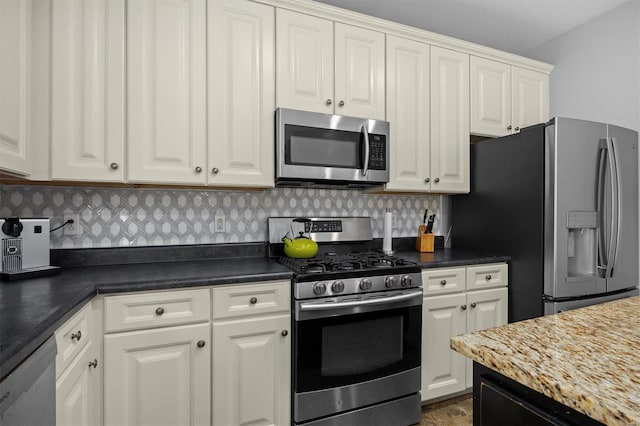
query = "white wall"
x=597 y=68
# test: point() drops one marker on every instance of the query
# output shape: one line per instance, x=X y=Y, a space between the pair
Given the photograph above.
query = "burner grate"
x=343 y=262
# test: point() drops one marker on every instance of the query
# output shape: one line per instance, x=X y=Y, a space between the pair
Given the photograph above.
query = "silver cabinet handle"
x=473 y=305
x=159 y=311
x=463 y=307
x=284 y=333
x=517 y=128
x=76 y=336
x=509 y=127
x=253 y=300
x=341 y=103
x=201 y=343
x=328 y=102
x=488 y=277
x=93 y=363
x=443 y=282
x=427 y=180
x=114 y=166
x=215 y=170
x=198 y=169
x=436 y=180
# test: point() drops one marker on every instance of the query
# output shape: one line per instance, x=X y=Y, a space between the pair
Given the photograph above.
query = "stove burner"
x=340 y=262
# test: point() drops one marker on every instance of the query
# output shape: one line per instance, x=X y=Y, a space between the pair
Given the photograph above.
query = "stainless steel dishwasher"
x=28 y=394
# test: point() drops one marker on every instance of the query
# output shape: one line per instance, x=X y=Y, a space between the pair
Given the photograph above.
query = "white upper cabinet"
x=449 y=121
x=310 y=52
x=241 y=68
x=87 y=90
x=15 y=85
x=530 y=104
x=166 y=91
x=408 y=114
x=360 y=72
x=505 y=98
x=490 y=97
x=304 y=62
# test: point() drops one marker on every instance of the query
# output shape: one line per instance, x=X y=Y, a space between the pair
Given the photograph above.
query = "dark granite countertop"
x=446 y=258
x=31 y=310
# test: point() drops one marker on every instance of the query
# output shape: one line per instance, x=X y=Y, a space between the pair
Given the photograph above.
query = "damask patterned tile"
x=112 y=217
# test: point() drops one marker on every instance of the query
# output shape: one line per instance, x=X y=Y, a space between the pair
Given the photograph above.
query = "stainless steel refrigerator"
x=561 y=199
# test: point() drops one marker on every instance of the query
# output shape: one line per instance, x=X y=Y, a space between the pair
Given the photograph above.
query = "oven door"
x=322 y=147
x=353 y=353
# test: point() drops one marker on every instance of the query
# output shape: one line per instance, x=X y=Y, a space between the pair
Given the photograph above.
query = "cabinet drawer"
x=487 y=276
x=251 y=299
x=137 y=311
x=442 y=281
x=72 y=337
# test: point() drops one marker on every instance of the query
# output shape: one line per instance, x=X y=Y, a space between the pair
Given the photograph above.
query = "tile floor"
x=452 y=412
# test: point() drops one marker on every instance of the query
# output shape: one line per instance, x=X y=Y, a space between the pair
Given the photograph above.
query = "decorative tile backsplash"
x=113 y=217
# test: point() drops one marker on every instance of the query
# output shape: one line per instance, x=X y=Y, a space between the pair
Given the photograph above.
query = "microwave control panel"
x=377 y=152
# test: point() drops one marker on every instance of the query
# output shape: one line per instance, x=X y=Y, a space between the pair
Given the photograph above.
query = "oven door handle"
x=310 y=310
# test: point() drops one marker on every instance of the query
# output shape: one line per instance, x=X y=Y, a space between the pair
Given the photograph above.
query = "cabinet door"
x=78 y=395
x=304 y=62
x=166 y=91
x=252 y=372
x=530 y=103
x=449 y=121
x=241 y=93
x=360 y=70
x=87 y=90
x=490 y=97
x=408 y=113
x=443 y=370
x=158 y=377
x=15 y=85
x=486 y=309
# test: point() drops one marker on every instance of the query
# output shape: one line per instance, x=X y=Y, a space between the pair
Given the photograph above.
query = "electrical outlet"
x=220 y=225
x=74 y=228
x=394 y=221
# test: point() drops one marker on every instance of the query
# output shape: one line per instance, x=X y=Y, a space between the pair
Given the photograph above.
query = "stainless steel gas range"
x=356 y=328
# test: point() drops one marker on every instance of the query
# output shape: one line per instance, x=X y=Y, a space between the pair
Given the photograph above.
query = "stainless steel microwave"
x=324 y=150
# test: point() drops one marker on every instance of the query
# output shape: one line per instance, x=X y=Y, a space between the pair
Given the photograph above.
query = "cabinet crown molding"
x=337 y=14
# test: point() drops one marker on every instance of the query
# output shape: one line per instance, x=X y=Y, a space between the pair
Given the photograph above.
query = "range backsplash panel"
x=116 y=217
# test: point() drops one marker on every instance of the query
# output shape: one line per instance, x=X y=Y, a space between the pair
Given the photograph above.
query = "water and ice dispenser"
x=582 y=243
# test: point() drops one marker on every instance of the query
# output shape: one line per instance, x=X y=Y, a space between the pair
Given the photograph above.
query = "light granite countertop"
x=587 y=359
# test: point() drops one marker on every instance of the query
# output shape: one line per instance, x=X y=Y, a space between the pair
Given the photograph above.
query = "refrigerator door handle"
x=602 y=247
x=618 y=204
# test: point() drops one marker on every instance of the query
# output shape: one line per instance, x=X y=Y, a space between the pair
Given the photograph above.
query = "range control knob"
x=319 y=288
x=390 y=281
x=365 y=284
x=407 y=281
x=337 y=287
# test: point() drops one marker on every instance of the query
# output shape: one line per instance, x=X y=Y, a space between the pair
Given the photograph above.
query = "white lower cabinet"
x=444 y=371
x=158 y=377
x=79 y=368
x=167 y=363
x=252 y=354
x=252 y=372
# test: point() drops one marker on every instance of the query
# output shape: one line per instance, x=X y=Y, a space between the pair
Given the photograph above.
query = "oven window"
x=312 y=146
x=344 y=350
x=344 y=344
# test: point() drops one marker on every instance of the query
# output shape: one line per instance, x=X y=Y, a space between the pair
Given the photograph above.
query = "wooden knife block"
x=424 y=242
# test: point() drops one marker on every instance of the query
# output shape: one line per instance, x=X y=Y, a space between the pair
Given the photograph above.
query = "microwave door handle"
x=602 y=247
x=617 y=206
x=365 y=133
